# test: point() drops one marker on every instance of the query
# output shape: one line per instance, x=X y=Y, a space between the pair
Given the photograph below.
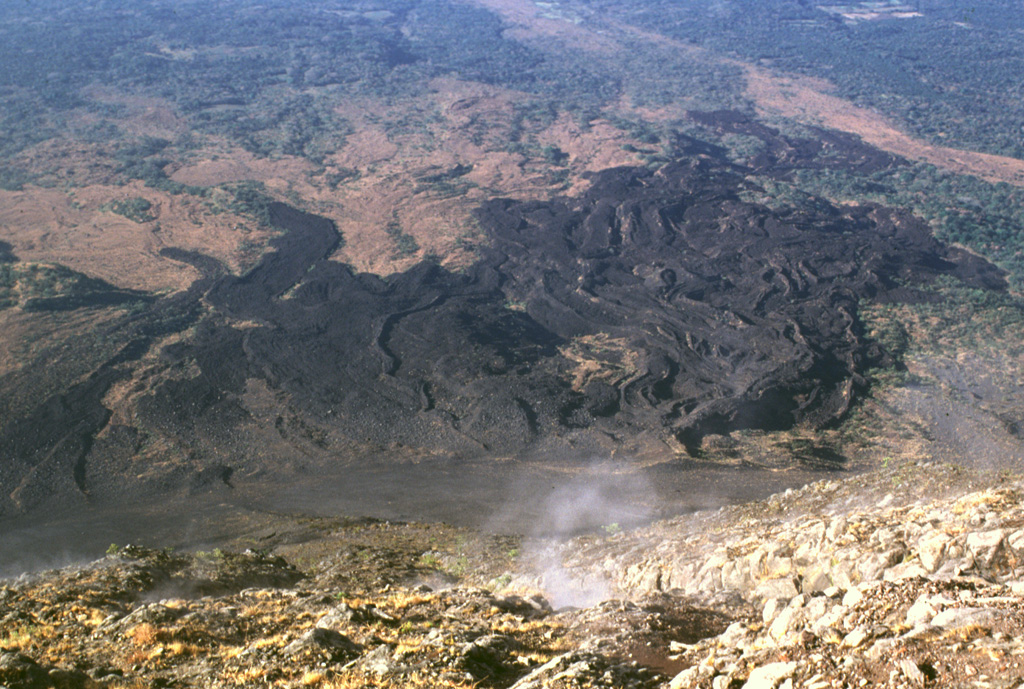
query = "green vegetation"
x=40 y=286
x=250 y=199
x=18 y=635
x=13 y=179
x=135 y=209
x=210 y=556
x=405 y=244
x=956 y=318
x=983 y=216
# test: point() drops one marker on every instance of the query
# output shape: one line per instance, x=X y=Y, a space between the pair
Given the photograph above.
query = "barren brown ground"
x=221 y=163
x=396 y=149
x=532 y=22
x=71 y=227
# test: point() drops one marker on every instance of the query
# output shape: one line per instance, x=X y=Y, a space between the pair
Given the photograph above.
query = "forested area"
x=986 y=217
x=951 y=75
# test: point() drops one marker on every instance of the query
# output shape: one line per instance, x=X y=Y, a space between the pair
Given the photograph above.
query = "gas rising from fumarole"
x=601 y=497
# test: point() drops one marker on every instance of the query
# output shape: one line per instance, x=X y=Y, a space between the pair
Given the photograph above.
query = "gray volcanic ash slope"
x=655 y=308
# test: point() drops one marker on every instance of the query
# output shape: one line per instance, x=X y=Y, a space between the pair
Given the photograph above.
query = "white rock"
x=852 y=597
x=1016 y=540
x=733 y=635
x=776 y=588
x=777 y=566
x=768 y=676
x=921 y=612
x=873 y=565
x=880 y=649
x=787 y=621
x=855 y=638
x=816 y=579
x=817 y=607
x=736 y=575
x=806 y=553
x=832 y=618
x=691 y=677
x=985 y=546
x=836 y=529
x=955 y=618
x=885 y=536
x=772 y=608
x=912 y=672
x=931 y=551
x=904 y=570
x=815 y=531
x=922 y=631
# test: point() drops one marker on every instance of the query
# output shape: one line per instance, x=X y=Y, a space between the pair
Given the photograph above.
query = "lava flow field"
x=655 y=308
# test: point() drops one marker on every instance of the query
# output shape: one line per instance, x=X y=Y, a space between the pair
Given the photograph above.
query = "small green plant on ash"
x=458 y=566
x=19 y=636
x=501 y=581
x=215 y=555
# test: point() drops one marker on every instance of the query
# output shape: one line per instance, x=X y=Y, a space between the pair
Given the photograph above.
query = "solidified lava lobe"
x=734 y=316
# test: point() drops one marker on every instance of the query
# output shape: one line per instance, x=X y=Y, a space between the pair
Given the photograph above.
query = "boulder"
x=957 y=618
x=336 y=645
x=18 y=671
x=768 y=676
x=986 y=546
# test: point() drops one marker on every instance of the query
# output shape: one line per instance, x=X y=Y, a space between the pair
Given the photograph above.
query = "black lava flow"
x=658 y=304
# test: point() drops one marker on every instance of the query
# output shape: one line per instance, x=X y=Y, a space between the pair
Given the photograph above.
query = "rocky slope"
x=909 y=577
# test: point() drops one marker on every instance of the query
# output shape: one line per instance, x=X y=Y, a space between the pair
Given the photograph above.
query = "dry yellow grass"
x=402 y=600
x=144 y=634
x=600 y=357
x=313 y=678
